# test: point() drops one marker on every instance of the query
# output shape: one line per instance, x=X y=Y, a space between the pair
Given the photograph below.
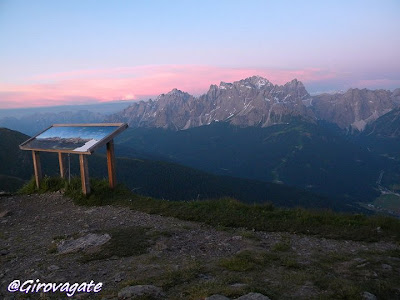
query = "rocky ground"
x=140 y=256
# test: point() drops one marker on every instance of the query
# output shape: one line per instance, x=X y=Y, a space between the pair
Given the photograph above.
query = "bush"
x=101 y=193
x=47 y=184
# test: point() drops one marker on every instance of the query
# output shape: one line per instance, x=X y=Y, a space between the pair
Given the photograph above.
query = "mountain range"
x=255 y=101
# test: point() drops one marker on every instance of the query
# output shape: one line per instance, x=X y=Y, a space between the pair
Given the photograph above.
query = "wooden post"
x=84 y=174
x=37 y=168
x=61 y=163
x=112 y=180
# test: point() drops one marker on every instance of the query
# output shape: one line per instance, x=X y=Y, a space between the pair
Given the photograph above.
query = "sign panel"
x=73 y=138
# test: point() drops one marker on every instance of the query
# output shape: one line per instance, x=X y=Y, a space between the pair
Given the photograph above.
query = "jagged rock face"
x=169 y=110
x=387 y=125
x=250 y=102
x=355 y=108
x=396 y=96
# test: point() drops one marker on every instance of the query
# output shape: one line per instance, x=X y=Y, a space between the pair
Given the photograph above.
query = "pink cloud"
x=84 y=86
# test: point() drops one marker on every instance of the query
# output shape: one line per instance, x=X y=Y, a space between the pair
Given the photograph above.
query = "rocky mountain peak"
x=225 y=85
x=253 y=82
x=295 y=84
x=173 y=95
x=297 y=89
x=258 y=81
x=176 y=92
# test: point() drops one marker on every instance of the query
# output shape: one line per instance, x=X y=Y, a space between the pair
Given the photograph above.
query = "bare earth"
x=186 y=260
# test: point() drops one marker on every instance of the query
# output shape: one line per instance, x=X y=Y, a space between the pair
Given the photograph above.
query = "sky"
x=83 y=51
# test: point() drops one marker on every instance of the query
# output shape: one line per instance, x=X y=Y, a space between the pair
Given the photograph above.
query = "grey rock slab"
x=368 y=296
x=88 y=241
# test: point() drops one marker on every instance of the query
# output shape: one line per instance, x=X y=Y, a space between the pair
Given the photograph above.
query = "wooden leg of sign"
x=84 y=174
x=61 y=163
x=37 y=168
x=111 y=164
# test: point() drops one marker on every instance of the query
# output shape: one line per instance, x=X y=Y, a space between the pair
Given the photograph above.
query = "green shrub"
x=101 y=193
x=47 y=184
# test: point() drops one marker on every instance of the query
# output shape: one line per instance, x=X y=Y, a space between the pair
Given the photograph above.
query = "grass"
x=230 y=213
x=242 y=262
x=282 y=246
x=129 y=241
x=48 y=184
x=258 y=260
x=172 y=277
x=227 y=212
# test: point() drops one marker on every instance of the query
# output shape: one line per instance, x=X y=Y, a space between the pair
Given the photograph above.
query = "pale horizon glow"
x=82 y=52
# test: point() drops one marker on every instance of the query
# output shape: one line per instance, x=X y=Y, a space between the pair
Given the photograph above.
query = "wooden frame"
x=108 y=140
x=61 y=162
x=37 y=168
x=112 y=179
x=84 y=174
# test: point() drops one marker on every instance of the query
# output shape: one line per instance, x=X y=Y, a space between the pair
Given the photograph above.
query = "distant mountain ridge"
x=355 y=108
x=255 y=101
x=35 y=123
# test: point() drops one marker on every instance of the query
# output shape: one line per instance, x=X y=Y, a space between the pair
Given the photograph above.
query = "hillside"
x=14 y=163
x=317 y=157
x=383 y=135
x=164 y=180
x=387 y=126
x=383 y=138
x=126 y=248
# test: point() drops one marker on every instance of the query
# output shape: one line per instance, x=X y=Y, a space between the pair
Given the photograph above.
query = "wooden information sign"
x=81 y=139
